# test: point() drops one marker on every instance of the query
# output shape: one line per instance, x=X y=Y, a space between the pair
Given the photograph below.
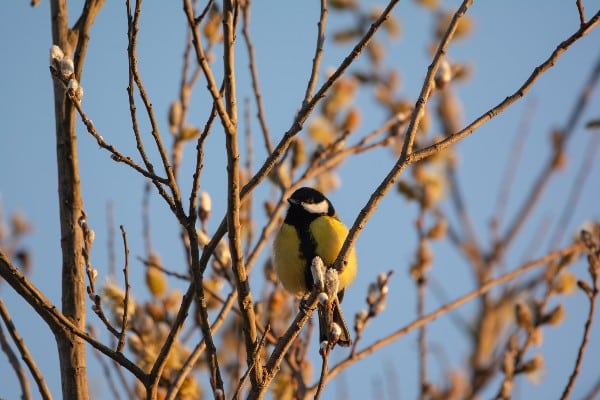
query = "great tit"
x=311 y=228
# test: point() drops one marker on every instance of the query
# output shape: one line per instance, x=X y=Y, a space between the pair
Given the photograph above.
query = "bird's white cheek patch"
x=317 y=208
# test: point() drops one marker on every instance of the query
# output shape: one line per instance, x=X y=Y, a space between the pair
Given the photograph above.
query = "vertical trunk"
x=71 y=349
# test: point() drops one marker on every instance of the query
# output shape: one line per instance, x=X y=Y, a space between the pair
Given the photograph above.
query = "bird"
x=311 y=228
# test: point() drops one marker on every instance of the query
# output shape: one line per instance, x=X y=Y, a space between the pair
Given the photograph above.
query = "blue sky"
x=508 y=41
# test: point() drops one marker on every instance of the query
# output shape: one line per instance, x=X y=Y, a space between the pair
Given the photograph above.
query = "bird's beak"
x=292 y=201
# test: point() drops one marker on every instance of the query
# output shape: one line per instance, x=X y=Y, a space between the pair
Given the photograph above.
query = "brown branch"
x=581 y=12
x=123 y=332
x=192 y=359
x=283 y=345
x=593 y=392
x=521 y=216
x=199 y=159
x=323 y=375
x=106 y=370
x=260 y=113
x=57 y=322
x=115 y=154
x=511 y=166
x=203 y=62
x=509 y=100
x=406 y=155
x=71 y=349
x=302 y=115
x=245 y=301
x=316 y=64
x=592 y=294
x=10 y=354
x=110 y=244
x=134 y=76
x=81 y=31
x=576 y=189
x=486 y=287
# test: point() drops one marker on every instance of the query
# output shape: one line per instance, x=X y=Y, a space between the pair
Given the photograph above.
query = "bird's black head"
x=306 y=204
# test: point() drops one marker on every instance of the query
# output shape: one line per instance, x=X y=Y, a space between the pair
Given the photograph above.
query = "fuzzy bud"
x=188 y=132
x=298 y=153
x=556 y=316
x=537 y=336
x=565 y=284
x=67 y=68
x=443 y=74
x=317 y=268
x=324 y=345
x=56 y=54
x=534 y=368
x=204 y=206
x=335 y=331
x=523 y=316
x=323 y=298
x=360 y=320
x=438 y=231
x=175 y=115
x=332 y=282
x=156 y=281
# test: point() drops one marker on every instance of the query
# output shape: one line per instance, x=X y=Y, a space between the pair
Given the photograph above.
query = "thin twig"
x=581 y=11
x=191 y=361
x=122 y=334
x=422 y=340
x=323 y=376
x=566 y=133
x=316 y=64
x=135 y=76
x=54 y=318
x=593 y=392
x=107 y=374
x=249 y=237
x=302 y=115
x=260 y=113
x=576 y=189
x=208 y=74
x=256 y=359
x=234 y=202
x=510 y=169
x=146 y=231
x=110 y=244
x=283 y=345
x=486 y=287
x=509 y=100
x=38 y=377
x=592 y=294
x=406 y=155
x=115 y=154
x=199 y=159
x=14 y=362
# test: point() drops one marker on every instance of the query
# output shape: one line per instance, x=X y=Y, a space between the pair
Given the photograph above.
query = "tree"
x=213 y=323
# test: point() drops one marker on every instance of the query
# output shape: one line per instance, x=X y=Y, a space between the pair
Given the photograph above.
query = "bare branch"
x=10 y=354
x=406 y=156
x=54 y=318
x=592 y=294
x=134 y=76
x=486 y=287
x=123 y=332
x=316 y=64
x=254 y=74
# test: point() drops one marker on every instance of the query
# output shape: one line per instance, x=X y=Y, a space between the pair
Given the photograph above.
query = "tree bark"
x=71 y=349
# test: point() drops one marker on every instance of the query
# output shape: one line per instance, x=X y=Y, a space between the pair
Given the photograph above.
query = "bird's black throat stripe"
x=301 y=220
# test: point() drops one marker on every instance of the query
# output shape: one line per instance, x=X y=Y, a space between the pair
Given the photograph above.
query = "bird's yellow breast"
x=329 y=234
